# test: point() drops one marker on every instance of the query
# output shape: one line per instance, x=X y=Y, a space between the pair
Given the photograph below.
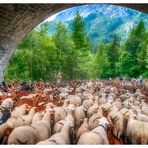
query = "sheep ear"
x=126 y=114
x=84 y=109
x=113 y=120
x=134 y=111
x=60 y=122
x=116 y=119
x=98 y=119
x=111 y=117
x=110 y=109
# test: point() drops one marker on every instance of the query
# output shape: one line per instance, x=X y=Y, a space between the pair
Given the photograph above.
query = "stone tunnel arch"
x=17 y=20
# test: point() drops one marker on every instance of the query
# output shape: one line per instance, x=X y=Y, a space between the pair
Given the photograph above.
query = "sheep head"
x=130 y=114
x=105 y=111
x=66 y=102
x=28 y=107
x=103 y=121
x=8 y=103
x=50 y=105
x=71 y=107
x=50 y=110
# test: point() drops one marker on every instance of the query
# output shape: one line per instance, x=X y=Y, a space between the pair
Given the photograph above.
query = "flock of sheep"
x=80 y=112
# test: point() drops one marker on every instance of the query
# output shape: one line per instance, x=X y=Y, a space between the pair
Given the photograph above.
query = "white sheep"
x=137 y=131
x=97 y=135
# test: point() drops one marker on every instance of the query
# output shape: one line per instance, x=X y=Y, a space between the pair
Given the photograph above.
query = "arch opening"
x=13 y=34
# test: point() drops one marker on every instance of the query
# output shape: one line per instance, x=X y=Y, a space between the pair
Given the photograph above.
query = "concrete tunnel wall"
x=17 y=20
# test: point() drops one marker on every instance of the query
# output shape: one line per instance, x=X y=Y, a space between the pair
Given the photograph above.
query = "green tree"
x=142 y=56
x=66 y=55
x=125 y=64
x=43 y=28
x=113 y=55
x=40 y=56
x=102 y=63
x=35 y=58
x=135 y=38
x=82 y=47
x=135 y=46
x=79 y=35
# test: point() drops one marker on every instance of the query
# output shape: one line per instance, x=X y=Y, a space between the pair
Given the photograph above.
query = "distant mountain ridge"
x=102 y=21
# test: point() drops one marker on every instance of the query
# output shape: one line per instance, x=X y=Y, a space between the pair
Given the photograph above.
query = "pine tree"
x=79 y=35
x=132 y=60
x=125 y=64
x=35 y=58
x=135 y=38
x=134 y=46
x=82 y=46
x=65 y=51
x=142 y=56
x=43 y=28
x=113 y=55
x=102 y=63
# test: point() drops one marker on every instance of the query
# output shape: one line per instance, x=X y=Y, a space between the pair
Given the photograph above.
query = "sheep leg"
x=1 y=141
x=121 y=142
x=72 y=136
x=144 y=140
x=128 y=140
x=124 y=139
x=5 y=140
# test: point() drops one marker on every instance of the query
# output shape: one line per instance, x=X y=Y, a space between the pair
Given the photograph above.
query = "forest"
x=39 y=57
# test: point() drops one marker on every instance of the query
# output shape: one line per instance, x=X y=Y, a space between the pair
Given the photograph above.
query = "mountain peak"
x=101 y=20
